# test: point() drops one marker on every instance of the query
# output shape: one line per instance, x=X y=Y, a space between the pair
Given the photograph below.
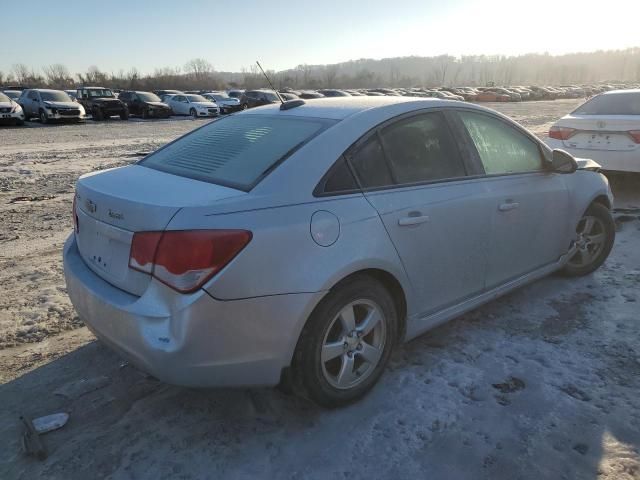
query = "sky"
x=146 y=34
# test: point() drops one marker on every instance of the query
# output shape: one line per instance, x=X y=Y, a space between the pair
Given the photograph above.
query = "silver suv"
x=50 y=105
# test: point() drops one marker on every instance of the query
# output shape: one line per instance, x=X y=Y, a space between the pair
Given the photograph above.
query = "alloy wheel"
x=591 y=236
x=353 y=344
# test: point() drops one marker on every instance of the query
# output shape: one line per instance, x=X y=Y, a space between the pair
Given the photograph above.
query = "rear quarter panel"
x=282 y=256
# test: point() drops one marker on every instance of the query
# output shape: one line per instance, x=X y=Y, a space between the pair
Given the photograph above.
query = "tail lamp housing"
x=185 y=259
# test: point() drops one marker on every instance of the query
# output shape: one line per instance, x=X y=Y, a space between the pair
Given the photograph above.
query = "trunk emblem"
x=116 y=215
x=601 y=124
x=92 y=207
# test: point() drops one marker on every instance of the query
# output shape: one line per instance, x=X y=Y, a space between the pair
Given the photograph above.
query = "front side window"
x=502 y=149
x=422 y=149
x=236 y=151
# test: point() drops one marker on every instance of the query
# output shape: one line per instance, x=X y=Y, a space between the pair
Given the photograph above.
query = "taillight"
x=76 y=227
x=561 y=133
x=185 y=260
x=635 y=134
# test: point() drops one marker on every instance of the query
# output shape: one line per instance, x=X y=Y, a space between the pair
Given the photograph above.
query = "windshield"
x=219 y=96
x=4 y=98
x=196 y=98
x=626 y=103
x=100 y=93
x=55 y=97
x=13 y=94
x=236 y=151
x=148 y=97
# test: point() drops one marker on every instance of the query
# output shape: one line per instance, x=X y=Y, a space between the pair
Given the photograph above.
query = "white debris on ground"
x=540 y=384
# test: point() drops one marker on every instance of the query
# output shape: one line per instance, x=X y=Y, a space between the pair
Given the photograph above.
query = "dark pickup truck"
x=101 y=103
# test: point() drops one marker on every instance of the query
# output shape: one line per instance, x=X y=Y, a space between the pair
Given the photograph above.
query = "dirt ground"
x=542 y=383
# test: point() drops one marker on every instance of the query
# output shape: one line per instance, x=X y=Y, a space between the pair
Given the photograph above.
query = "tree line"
x=441 y=70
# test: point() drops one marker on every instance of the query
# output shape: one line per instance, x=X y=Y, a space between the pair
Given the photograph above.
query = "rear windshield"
x=236 y=151
x=627 y=103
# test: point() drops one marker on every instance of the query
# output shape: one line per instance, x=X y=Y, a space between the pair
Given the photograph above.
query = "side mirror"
x=563 y=162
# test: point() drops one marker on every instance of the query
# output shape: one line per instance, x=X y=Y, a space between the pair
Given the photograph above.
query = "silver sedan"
x=299 y=243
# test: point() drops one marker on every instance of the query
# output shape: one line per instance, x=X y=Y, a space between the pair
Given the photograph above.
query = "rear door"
x=413 y=173
x=529 y=203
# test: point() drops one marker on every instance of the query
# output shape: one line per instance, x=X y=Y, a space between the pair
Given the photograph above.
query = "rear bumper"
x=191 y=340
x=623 y=161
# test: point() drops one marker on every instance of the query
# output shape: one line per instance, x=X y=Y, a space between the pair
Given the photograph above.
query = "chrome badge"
x=91 y=207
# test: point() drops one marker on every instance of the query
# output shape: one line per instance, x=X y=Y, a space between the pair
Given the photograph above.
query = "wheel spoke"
x=597 y=239
x=588 y=225
x=332 y=350
x=370 y=353
x=369 y=323
x=348 y=318
x=346 y=374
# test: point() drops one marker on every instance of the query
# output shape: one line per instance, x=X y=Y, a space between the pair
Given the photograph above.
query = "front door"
x=529 y=202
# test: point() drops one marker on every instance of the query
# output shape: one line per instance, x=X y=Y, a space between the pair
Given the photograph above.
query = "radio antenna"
x=269 y=80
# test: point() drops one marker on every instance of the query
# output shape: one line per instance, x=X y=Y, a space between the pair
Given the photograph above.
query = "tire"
x=26 y=116
x=19 y=122
x=124 y=115
x=193 y=113
x=97 y=115
x=355 y=357
x=145 y=113
x=43 y=117
x=596 y=234
x=244 y=106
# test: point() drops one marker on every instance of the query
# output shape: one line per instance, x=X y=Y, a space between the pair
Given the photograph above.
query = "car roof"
x=339 y=108
x=615 y=92
x=46 y=90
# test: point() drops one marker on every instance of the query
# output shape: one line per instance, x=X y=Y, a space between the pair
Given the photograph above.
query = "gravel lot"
x=542 y=383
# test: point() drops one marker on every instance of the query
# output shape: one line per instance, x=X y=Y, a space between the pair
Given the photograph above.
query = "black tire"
x=26 y=116
x=193 y=113
x=309 y=375
x=244 y=106
x=145 y=113
x=97 y=115
x=595 y=254
x=19 y=122
x=124 y=115
x=43 y=116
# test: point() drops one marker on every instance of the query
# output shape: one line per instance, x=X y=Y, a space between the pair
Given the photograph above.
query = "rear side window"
x=236 y=151
x=370 y=165
x=502 y=149
x=422 y=149
x=626 y=103
x=339 y=179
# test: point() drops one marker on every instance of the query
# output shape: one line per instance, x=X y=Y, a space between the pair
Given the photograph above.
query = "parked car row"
x=18 y=105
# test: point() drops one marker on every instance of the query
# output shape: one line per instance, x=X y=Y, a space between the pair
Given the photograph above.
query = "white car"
x=194 y=105
x=226 y=103
x=10 y=111
x=606 y=128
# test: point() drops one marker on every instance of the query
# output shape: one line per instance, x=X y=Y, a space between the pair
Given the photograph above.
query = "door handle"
x=413 y=220
x=505 y=207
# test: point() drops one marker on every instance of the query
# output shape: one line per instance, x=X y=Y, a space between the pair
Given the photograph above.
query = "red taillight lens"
x=76 y=227
x=635 y=134
x=186 y=260
x=561 y=133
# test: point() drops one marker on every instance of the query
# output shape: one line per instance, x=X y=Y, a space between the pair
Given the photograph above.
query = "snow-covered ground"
x=541 y=384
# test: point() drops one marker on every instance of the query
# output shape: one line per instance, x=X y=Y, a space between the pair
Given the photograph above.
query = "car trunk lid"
x=598 y=132
x=112 y=205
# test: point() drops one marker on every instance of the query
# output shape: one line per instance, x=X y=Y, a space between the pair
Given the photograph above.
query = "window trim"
x=475 y=155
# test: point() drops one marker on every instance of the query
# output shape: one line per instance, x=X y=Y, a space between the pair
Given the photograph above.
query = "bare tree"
x=330 y=75
x=199 y=68
x=57 y=76
x=22 y=73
